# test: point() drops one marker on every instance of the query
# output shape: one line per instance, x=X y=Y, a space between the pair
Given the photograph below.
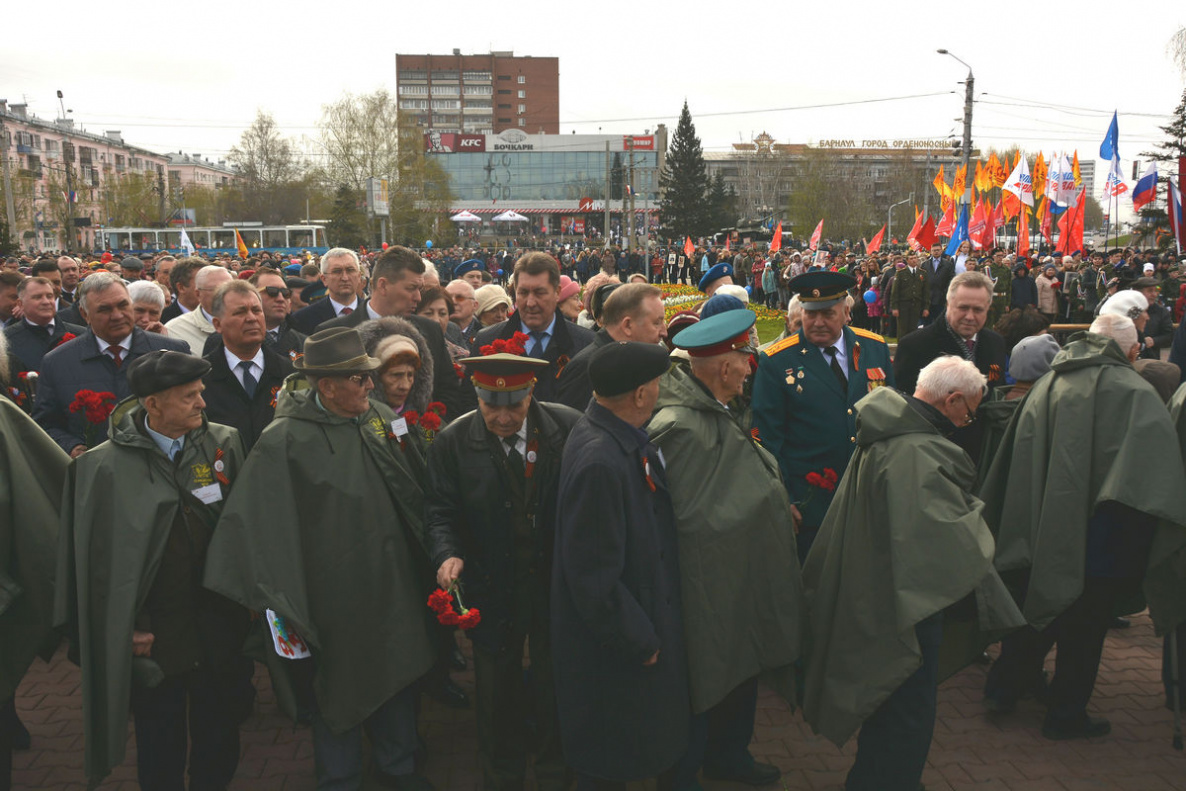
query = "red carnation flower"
x=438 y=407
x=412 y=417
x=430 y=421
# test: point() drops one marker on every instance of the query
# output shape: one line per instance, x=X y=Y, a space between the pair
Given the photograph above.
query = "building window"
x=477 y=90
x=504 y=76
x=504 y=107
x=522 y=109
x=522 y=80
x=413 y=90
x=504 y=120
x=475 y=76
x=522 y=94
x=522 y=122
x=410 y=74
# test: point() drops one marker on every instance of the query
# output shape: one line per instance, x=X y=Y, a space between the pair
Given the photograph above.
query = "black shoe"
x=1083 y=728
x=755 y=774
x=445 y=691
x=408 y=782
x=457 y=660
x=1119 y=623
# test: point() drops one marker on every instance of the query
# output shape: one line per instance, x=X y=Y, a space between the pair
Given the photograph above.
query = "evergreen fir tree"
x=1154 y=222
x=684 y=208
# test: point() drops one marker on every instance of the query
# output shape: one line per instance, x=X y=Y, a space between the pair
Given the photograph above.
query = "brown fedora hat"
x=337 y=351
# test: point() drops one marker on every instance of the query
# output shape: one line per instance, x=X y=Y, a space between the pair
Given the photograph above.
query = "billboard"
x=377 y=197
x=453 y=143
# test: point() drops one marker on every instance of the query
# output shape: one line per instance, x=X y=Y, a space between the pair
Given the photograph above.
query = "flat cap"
x=714 y=274
x=131 y=263
x=160 y=370
x=1146 y=282
x=1032 y=357
x=618 y=368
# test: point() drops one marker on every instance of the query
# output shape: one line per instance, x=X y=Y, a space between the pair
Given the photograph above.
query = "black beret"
x=160 y=370
x=618 y=368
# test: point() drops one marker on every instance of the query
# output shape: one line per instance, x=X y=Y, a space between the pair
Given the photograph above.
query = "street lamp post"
x=967 y=196
x=889 y=219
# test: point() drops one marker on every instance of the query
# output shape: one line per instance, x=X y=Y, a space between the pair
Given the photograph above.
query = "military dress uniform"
x=910 y=296
x=1002 y=292
x=806 y=417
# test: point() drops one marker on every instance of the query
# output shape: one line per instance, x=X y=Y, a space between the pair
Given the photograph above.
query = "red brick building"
x=480 y=94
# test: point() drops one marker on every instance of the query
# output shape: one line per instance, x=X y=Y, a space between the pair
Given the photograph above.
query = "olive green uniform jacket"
x=325 y=529
x=739 y=571
x=1090 y=432
x=903 y=540
x=32 y=468
x=119 y=505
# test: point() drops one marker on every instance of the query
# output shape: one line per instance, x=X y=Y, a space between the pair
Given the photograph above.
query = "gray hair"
x=231 y=287
x=97 y=284
x=949 y=374
x=466 y=289
x=969 y=280
x=205 y=273
x=337 y=252
x=1119 y=328
x=795 y=308
x=147 y=292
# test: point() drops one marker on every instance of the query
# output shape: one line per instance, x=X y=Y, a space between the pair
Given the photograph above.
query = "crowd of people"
x=329 y=465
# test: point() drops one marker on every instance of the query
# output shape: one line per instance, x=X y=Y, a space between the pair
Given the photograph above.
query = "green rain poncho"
x=323 y=528
x=903 y=539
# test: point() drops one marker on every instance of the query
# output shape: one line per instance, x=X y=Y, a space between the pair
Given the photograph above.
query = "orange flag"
x=940 y=184
x=689 y=248
x=1039 y=175
x=1075 y=169
x=959 y=183
x=776 y=242
x=979 y=180
x=240 y=246
x=996 y=171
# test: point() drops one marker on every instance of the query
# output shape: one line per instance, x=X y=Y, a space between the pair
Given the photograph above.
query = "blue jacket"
x=79 y=365
x=805 y=419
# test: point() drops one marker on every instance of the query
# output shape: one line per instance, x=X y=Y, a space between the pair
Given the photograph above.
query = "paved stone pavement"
x=971 y=750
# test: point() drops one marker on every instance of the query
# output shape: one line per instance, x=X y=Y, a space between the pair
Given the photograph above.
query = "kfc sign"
x=641 y=142
x=453 y=143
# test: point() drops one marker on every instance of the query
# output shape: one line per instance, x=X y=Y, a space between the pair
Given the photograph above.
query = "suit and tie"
x=81 y=364
x=71 y=315
x=458 y=397
x=309 y=319
x=227 y=399
x=28 y=344
x=566 y=341
x=940 y=271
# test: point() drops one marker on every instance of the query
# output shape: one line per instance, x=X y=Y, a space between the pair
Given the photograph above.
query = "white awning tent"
x=510 y=215
x=465 y=216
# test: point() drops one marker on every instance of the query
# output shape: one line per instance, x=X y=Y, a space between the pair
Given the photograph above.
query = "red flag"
x=875 y=244
x=926 y=235
x=776 y=242
x=815 y=236
x=1045 y=219
x=728 y=238
x=1023 y=231
x=240 y=246
x=1070 y=227
x=947 y=224
x=911 y=237
x=994 y=219
x=689 y=248
x=977 y=225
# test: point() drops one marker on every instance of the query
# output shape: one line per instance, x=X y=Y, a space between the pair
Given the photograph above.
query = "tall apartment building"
x=480 y=94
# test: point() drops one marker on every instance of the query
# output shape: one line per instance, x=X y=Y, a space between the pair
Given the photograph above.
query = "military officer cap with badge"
x=822 y=289
x=719 y=334
x=465 y=267
x=625 y=366
x=161 y=370
x=714 y=274
x=503 y=375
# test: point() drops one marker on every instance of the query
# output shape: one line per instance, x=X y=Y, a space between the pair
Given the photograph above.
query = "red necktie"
x=116 y=354
x=346 y=311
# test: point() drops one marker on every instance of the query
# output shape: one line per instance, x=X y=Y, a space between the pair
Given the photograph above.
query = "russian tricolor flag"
x=1146 y=189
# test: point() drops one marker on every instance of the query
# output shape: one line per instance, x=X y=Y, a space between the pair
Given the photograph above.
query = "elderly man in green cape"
x=138 y=513
x=743 y=595
x=1088 y=466
x=32 y=468
x=902 y=567
x=326 y=533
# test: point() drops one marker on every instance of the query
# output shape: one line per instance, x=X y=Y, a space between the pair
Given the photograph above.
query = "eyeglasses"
x=358 y=379
x=347 y=272
x=276 y=291
x=969 y=415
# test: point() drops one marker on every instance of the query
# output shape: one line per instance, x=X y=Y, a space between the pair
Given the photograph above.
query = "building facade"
x=556 y=181
x=480 y=94
x=187 y=170
x=65 y=183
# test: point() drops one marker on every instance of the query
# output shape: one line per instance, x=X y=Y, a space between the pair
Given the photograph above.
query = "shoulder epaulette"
x=785 y=343
x=867 y=334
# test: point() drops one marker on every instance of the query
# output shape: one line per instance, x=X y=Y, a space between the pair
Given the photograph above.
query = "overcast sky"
x=191 y=76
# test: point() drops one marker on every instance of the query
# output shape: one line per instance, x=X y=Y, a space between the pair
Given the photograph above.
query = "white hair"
x=205 y=273
x=795 y=308
x=430 y=269
x=1117 y=327
x=464 y=286
x=734 y=290
x=97 y=284
x=148 y=292
x=949 y=374
x=337 y=252
x=969 y=280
